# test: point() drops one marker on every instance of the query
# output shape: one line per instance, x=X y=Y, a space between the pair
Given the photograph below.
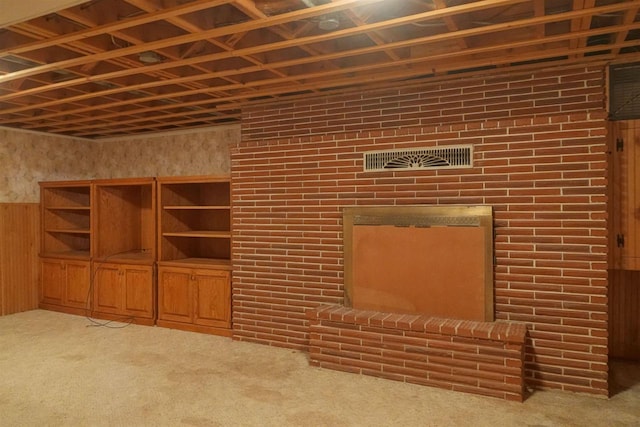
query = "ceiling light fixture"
x=149 y=57
x=329 y=24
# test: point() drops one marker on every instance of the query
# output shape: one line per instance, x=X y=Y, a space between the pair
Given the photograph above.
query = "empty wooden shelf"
x=194 y=267
x=65 y=257
x=124 y=249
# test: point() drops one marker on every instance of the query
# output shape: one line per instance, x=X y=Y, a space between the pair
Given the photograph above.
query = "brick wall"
x=542 y=93
x=540 y=161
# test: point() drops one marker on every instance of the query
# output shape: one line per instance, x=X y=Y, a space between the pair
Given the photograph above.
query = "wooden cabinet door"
x=175 y=295
x=624 y=321
x=52 y=281
x=138 y=290
x=212 y=298
x=624 y=179
x=77 y=284
x=107 y=288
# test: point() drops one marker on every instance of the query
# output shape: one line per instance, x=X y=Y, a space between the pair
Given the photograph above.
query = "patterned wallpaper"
x=191 y=153
x=27 y=158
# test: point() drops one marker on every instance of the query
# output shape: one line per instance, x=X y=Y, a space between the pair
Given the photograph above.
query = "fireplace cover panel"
x=435 y=261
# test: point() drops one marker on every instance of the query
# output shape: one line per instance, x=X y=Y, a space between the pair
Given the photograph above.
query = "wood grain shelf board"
x=223 y=264
x=68 y=231
x=199 y=233
x=68 y=208
x=195 y=207
x=66 y=254
x=141 y=257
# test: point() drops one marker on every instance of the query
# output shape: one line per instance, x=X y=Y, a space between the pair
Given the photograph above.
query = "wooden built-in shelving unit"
x=195 y=219
x=124 y=249
x=104 y=240
x=66 y=219
x=194 y=267
x=65 y=253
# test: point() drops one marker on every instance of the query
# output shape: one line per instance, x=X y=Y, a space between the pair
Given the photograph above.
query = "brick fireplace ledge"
x=476 y=357
x=507 y=331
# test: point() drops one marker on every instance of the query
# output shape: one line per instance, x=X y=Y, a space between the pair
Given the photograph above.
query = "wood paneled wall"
x=624 y=314
x=19 y=244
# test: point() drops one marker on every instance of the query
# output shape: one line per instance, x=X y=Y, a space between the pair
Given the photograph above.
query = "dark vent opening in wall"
x=452 y=157
x=624 y=91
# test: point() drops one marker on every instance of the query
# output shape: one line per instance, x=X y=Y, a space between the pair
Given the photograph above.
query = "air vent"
x=451 y=157
x=624 y=92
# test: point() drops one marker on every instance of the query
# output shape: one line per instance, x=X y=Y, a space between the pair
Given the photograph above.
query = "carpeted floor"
x=55 y=370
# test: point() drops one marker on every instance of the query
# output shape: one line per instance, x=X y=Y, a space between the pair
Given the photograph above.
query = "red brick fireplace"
x=539 y=141
x=419 y=302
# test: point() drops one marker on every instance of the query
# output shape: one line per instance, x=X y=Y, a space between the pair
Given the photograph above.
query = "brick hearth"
x=476 y=357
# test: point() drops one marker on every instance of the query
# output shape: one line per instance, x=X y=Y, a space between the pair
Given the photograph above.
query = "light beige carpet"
x=55 y=370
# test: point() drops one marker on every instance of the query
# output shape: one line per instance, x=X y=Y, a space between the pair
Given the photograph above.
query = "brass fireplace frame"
x=422 y=216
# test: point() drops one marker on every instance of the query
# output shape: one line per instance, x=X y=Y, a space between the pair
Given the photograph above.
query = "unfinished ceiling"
x=109 y=68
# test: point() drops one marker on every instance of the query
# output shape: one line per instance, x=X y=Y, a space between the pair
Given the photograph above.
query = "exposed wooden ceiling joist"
x=81 y=71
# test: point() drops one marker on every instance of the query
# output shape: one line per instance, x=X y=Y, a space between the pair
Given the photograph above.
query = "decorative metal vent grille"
x=624 y=92
x=458 y=156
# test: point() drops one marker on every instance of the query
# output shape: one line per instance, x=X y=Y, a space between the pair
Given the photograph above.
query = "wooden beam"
x=180 y=23
x=189 y=38
x=278 y=45
x=629 y=17
x=314 y=39
x=93 y=31
x=581 y=23
x=265 y=71
x=452 y=25
x=249 y=7
x=374 y=36
x=439 y=62
x=539 y=10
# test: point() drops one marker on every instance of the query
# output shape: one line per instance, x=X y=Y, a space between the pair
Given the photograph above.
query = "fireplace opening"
x=426 y=260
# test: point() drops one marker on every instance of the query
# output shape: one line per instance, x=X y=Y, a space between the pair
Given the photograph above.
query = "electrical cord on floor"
x=127 y=320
